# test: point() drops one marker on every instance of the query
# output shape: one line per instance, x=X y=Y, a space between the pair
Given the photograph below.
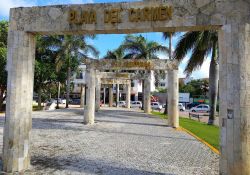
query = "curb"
x=198 y=138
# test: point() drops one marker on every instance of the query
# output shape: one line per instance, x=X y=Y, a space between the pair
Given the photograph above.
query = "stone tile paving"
x=120 y=143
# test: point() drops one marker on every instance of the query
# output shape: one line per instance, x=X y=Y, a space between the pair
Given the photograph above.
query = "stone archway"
x=230 y=18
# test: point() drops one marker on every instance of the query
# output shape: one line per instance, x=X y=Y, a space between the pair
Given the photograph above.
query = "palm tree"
x=201 y=44
x=168 y=36
x=71 y=51
x=138 y=47
x=116 y=54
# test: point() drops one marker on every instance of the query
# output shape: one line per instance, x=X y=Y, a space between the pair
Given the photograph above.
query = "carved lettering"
x=113 y=16
x=84 y=17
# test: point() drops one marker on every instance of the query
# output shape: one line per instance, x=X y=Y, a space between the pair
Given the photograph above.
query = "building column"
x=147 y=94
x=18 y=121
x=111 y=96
x=82 y=94
x=117 y=95
x=98 y=94
x=128 y=95
x=173 y=98
x=234 y=90
x=89 y=112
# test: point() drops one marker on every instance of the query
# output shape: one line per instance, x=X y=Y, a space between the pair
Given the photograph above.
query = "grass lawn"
x=206 y=132
x=35 y=108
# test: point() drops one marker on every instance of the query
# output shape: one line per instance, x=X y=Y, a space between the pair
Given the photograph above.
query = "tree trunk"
x=1 y=99
x=170 y=57
x=213 y=86
x=39 y=98
x=68 y=87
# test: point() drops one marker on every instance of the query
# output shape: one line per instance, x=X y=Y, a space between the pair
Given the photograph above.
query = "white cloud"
x=203 y=72
x=7 y=4
x=180 y=73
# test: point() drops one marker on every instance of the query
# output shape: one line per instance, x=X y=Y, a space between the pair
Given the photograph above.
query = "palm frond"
x=185 y=44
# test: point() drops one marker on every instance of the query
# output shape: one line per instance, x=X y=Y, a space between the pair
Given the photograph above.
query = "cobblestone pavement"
x=120 y=143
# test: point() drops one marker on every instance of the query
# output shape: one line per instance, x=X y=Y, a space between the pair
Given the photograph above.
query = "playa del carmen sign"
x=161 y=13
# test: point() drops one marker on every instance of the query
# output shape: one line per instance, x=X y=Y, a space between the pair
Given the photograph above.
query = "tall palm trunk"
x=170 y=57
x=213 y=85
x=68 y=86
x=1 y=98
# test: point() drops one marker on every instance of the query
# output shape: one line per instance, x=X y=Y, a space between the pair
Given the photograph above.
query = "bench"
x=197 y=115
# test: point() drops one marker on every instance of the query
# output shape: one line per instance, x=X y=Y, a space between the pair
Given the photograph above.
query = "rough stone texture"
x=230 y=17
x=120 y=143
x=187 y=15
x=89 y=113
x=173 y=98
x=114 y=81
x=132 y=64
x=21 y=51
x=234 y=99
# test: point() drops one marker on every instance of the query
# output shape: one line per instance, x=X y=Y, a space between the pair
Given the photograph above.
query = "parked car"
x=201 y=108
x=181 y=107
x=121 y=103
x=156 y=106
x=136 y=104
x=76 y=102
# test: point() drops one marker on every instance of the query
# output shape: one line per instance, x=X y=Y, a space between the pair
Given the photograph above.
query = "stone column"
x=18 y=121
x=98 y=94
x=128 y=95
x=173 y=98
x=111 y=96
x=147 y=94
x=117 y=95
x=89 y=112
x=104 y=95
x=234 y=45
x=82 y=93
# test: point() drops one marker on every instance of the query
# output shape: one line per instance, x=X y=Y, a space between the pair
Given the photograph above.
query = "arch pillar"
x=18 y=123
x=173 y=98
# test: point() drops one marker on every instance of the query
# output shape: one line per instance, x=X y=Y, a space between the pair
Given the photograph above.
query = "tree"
x=201 y=44
x=168 y=36
x=116 y=54
x=3 y=60
x=137 y=47
x=71 y=51
x=44 y=67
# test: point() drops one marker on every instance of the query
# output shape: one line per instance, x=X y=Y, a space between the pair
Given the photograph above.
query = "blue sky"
x=103 y=42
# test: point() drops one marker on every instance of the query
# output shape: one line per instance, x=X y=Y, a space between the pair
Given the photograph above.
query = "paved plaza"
x=121 y=142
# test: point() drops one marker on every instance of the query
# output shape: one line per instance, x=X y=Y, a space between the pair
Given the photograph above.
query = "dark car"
x=75 y=102
x=191 y=105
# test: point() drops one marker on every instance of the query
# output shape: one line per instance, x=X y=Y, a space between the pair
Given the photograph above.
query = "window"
x=132 y=84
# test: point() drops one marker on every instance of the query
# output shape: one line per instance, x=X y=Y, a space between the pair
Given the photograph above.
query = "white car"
x=136 y=104
x=181 y=107
x=156 y=106
x=201 y=108
x=122 y=104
